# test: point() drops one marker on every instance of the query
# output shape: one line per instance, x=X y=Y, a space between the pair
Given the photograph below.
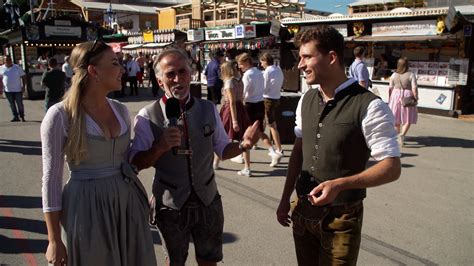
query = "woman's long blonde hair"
x=402 y=65
x=82 y=56
x=228 y=70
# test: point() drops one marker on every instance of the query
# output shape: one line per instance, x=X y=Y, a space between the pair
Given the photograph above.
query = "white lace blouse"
x=54 y=130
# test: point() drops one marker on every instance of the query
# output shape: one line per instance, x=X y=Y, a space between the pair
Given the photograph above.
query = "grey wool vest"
x=333 y=142
x=177 y=175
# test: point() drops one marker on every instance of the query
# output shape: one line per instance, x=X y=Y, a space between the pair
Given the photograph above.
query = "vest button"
x=314 y=158
x=320 y=124
x=316 y=146
x=312 y=168
x=318 y=136
x=312 y=179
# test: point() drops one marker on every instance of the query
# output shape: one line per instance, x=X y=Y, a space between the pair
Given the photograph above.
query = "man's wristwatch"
x=242 y=148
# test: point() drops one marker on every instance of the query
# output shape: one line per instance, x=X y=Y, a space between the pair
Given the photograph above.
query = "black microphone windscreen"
x=172 y=108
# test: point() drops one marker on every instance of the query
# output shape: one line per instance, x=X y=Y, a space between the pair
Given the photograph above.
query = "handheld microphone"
x=173 y=111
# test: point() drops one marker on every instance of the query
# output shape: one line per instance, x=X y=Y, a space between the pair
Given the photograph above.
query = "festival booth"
x=255 y=39
x=54 y=37
x=151 y=42
x=436 y=42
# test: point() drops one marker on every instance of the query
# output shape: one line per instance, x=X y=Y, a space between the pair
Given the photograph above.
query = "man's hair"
x=268 y=58
x=327 y=39
x=171 y=51
x=359 y=51
x=52 y=62
x=218 y=53
x=245 y=57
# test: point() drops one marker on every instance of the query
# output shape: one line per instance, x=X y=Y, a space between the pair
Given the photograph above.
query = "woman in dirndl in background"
x=403 y=85
x=233 y=114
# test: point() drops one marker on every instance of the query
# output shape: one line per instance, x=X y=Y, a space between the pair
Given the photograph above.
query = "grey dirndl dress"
x=105 y=208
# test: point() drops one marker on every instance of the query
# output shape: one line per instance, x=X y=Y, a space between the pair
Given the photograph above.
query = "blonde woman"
x=403 y=85
x=103 y=207
x=233 y=114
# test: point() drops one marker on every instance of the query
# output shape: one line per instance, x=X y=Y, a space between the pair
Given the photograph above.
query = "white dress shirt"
x=254 y=85
x=273 y=77
x=378 y=127
x=144 y=138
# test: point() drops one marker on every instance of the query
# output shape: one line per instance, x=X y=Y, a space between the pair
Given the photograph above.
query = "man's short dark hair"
x=52 y=62
x=359 y=51
x=327 y=39
x=218 y=53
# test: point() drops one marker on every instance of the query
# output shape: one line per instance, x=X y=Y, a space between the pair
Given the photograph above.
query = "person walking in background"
x=214 y=82
x=358 y=70
x=67 y=69
x=254 y=86
x=329 y=158
x=132 y=69
x=273 y=77
x=141 y=60
x=55 y=82
x=103 y=208
x=233 y=114
x=152 y=76
x=403 y=85
x=14 y=85
x=186 y=199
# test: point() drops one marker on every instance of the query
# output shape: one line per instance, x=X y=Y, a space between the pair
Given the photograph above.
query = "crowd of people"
x=338 y=127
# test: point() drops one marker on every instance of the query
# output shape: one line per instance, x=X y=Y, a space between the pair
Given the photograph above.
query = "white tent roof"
x=116 y=7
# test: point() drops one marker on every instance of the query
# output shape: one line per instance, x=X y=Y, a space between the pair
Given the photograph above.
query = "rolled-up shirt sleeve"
x=143 y=139
x=378 y=128
x=53 y=139
x=298 y=121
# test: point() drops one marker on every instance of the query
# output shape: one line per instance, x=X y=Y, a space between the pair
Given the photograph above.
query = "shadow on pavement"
x=25 y=202
x=22 y=224
x=428 y=141
x=20 y=146
x=18 y=246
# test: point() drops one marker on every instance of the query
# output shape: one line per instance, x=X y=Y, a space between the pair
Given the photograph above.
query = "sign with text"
x=245 y=31
x=341 y=28
x=405 y=28
x=62 y=31
x=220 y=34
x=148 y=36
x=196 y=35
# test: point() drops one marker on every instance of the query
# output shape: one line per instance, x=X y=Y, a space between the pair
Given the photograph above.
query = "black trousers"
x=133 y=85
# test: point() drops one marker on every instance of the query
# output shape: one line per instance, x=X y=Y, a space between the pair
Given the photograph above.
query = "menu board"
x=430 y=73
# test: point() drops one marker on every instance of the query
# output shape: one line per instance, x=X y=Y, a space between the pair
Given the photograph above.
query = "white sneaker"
x=238 y=159
x=277 y=152
x=275 y=159
x=245 y=172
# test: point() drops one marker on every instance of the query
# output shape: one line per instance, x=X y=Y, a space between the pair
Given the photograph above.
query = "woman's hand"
x=235 y=126
x=56 y=253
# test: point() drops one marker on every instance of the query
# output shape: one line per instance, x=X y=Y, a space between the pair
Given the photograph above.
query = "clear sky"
x=334 y=6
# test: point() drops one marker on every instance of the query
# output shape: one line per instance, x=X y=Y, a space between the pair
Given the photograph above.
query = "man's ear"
x=333 y=58
x=160 y=83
